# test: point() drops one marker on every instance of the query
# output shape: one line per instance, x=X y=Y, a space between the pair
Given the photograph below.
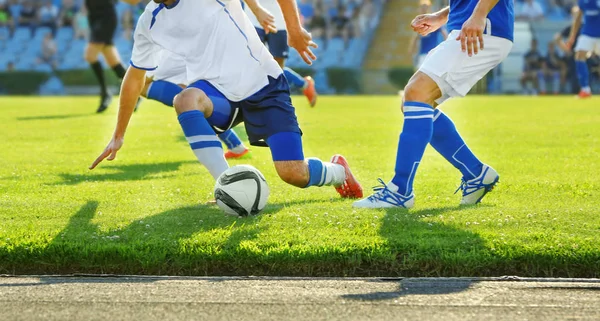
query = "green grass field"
x=143 y=213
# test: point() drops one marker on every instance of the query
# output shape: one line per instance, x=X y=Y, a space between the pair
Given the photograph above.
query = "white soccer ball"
x=241 y=191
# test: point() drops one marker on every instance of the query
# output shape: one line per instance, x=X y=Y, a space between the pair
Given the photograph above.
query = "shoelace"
x=380 y=191
x=462 y=187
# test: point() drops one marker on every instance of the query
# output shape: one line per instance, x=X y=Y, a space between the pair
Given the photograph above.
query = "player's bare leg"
x=112 y=58
x=294 y=169
x=91 y=54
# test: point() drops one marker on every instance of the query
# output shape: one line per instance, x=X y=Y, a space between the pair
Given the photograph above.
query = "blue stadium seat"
x=22 y=34
x=40 y=33
x=65 y=33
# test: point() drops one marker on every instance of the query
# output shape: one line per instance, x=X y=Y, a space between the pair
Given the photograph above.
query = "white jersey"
x=273 y=7
x=215 y=38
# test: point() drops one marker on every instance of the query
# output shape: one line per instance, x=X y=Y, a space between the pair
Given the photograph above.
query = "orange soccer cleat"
x=231 y=155
x=584 y=94
x=310 y=92
x=351 y=187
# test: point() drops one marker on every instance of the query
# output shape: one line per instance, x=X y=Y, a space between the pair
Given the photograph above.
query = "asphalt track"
x=180 y=298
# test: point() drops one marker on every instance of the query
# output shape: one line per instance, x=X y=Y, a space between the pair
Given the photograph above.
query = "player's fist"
x=266 y=20
x=110 y=151
x=426 y=23
x=301 y=40
x=471 y=35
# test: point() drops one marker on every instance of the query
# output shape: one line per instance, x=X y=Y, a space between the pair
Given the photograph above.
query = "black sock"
x=97 y=68
x=119 y=71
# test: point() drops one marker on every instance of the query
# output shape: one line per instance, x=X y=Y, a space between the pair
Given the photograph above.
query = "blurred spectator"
x=530 y=10
x=318 y=24
x=555 y=12
x=10 y=66
x=367 y=18
x=532 y=68
x=28 y=16
x=307 y=11
x=127 y=23
x=552 y=69
x=81 y=24
x=48 y=16
x=67 y=13
x=49 y=50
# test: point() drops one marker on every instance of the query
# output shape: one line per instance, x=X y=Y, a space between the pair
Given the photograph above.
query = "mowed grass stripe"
x=144 y=212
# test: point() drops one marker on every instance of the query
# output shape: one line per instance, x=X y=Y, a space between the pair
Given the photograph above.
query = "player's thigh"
x=278 y=45
x=269 y=112
x=92 y=50
x=218 y=110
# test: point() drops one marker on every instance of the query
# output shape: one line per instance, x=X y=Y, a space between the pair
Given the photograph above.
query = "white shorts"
x=455 y=72
x=588 y=44
x=171 y=68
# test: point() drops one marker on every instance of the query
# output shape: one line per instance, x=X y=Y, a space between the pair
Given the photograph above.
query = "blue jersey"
x=501 y=19
x=591 y=17
x=431 y=41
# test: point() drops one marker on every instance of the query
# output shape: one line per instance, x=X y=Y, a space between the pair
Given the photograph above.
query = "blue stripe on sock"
x=294 y=78
x=417 y=104
x=230 y=138
x=315 y=171
x=418 y=113
x=205 y=144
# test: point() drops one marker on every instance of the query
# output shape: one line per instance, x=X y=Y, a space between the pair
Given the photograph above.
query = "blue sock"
x=541 y=81
x=556 y=82
x=231 y=140
x=416 y=134
x=163 y=91
x=294 y=78
x=203 y=141
x=447 y=141
x=583 y=74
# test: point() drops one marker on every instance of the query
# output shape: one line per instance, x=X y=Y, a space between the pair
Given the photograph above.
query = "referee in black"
x=103 y=20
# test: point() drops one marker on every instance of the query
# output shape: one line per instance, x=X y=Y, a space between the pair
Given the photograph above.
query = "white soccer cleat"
x=384 y=198
x=475 y=189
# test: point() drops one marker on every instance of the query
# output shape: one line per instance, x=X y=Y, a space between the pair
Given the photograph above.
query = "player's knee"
x=581 y=55
x=191 y=100
x=421 y=88
x=293 y=172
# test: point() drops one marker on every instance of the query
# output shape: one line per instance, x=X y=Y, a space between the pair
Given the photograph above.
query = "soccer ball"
x=241 y=191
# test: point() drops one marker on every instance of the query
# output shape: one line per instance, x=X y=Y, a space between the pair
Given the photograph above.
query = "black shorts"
x=102 y=28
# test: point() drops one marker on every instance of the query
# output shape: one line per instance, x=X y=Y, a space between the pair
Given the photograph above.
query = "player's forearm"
x=253 y=5
x=133 y=82
x=443 y=14
x=290 y=15
x=576 y=24
x=484 y=7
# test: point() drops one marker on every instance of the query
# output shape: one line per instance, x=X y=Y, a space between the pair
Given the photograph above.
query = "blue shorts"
x=267 y=112
x=277 y=42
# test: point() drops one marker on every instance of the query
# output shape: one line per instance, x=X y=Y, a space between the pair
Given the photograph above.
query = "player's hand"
x=426 y=23
x=471 y=35
x=301 y=40
x=110 y=151
x=266 y=20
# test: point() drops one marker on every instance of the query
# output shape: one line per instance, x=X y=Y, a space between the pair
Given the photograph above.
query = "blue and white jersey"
x=215 y=38
x=591 y=17
x=501 y=19
x=430 y=41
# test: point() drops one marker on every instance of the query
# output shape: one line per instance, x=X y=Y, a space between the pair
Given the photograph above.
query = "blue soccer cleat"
x=385 y=198
x=475 y=189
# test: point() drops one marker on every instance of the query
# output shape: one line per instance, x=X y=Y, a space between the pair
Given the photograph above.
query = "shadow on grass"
x=53 y=117
x=132 y=172
x=160 y=244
